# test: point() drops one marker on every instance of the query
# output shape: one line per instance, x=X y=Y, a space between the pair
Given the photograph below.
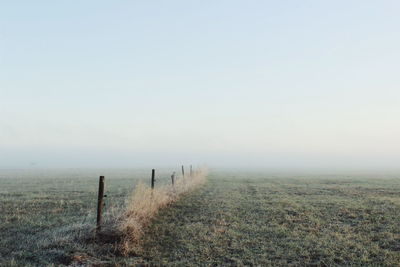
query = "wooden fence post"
x=173 y=178
x=153 y=174
x=183 y=171
x=100 y=203
x=191 y=171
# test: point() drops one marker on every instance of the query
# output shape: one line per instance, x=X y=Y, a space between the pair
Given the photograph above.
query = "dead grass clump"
x=144 y=204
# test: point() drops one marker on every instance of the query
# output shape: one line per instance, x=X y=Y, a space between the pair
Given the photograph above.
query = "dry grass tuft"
x=144 y=204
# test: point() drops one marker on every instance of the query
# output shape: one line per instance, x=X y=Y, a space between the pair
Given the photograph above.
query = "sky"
x=266 y=84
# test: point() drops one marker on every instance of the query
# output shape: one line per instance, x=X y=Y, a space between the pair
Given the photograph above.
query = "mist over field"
x=268 y=85
x=40 y=160
x=200 y=133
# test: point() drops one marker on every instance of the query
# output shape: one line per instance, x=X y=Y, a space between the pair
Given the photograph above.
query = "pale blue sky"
x=274 y=84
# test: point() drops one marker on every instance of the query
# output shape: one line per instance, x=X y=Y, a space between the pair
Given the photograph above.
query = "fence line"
x=101 y=195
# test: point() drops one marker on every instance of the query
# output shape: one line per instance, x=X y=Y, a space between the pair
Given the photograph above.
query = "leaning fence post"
x=153 y=174
x=183 y=171
x=173 y=178
x=100 y=202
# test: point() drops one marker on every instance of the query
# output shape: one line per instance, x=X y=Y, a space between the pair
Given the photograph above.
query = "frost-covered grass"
x=48 y=216
x=235 y=219
x=258 y=219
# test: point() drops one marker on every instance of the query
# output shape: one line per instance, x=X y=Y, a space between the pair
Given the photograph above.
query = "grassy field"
x=235 y=219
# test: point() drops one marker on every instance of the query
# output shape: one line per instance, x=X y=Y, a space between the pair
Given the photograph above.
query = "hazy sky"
x=285 y=84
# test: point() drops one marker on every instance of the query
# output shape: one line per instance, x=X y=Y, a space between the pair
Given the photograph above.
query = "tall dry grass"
x=144 y=204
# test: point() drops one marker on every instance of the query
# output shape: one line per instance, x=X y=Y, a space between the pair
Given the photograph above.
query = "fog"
x=305 y=86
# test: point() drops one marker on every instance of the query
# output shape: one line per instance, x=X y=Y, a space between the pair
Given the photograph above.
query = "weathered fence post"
x=183 y=171
x=173 y=178
x=153 y=174
x=100 y=203
x=191 y=171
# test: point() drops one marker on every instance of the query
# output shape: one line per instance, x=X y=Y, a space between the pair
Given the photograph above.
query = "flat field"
x=236 y=219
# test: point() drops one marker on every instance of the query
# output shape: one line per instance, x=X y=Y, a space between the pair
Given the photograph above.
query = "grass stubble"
x=236 y=219
x=258 y=220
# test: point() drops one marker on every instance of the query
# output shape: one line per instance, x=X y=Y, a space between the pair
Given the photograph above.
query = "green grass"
x=235 y=219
